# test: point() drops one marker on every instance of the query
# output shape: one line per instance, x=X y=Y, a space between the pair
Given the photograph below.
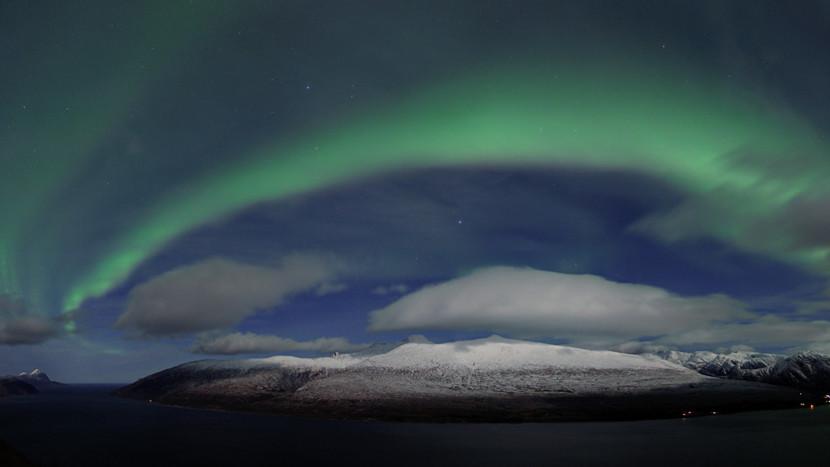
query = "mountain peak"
x=36 y=375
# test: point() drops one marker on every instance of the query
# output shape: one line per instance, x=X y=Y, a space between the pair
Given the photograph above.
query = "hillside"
x=492 y=379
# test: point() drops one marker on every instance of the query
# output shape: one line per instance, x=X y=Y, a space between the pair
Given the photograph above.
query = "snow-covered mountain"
x=736 y=365
x=26 y=383
x=483 y=379
x=807 y=370
x=35 y=374
x=37 y=378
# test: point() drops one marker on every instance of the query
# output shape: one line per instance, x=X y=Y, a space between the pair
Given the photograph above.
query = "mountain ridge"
x=806 y=370
x=490 y=379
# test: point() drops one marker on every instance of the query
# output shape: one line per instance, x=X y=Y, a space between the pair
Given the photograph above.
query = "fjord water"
x=86 y=426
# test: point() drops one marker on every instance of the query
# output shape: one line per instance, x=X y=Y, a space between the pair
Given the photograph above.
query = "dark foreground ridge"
x=486 y=380
x=15 y=387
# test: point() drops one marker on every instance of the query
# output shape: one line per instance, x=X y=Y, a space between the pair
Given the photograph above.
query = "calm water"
x=85 y=426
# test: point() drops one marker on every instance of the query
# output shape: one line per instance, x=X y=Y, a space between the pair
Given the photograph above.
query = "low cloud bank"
x=242 y=343
x=530 y=302
x=591 y=311
x=763 y=331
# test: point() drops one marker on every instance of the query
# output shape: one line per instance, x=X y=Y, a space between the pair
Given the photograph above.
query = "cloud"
x=807 y=219
x=328 y=288
x=735 y=348
x=820 y=347
x=645 y=347
x=797 y=231
x=418 y=339
x=531 y=302
x=218 y=293
x=767 y=330
x=594 y=312
x=242 y=343
x=640 y=347
x=17 y=326
x=26 y=330
x=691 y=218
x=390 y=289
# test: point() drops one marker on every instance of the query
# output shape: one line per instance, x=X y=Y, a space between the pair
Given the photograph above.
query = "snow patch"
x=492 y=353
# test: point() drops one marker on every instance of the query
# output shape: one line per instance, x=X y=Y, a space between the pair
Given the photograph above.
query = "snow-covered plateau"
x=491 y=379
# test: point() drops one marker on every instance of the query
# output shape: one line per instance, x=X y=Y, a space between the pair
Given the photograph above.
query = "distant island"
x=492 y=380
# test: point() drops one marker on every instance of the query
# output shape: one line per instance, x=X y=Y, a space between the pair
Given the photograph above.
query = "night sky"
x=181 y=179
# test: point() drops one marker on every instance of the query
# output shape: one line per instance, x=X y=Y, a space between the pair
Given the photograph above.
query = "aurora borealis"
x=550 y=120
x=138 y=140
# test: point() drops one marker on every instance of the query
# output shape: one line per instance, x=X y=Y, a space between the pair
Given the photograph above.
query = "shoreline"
x=507 y=410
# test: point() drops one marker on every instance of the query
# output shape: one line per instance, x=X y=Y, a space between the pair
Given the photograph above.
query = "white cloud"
x=218 y=293
x=391 y=289
x=241 y=343
x=529 y=302
x=18 y=326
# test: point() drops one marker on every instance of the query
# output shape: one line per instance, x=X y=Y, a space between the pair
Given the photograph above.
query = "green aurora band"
x=695 y=134
x=715 y=142
x=51 y=127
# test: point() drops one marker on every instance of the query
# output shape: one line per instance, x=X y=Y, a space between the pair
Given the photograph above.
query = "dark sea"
x=85 y=426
